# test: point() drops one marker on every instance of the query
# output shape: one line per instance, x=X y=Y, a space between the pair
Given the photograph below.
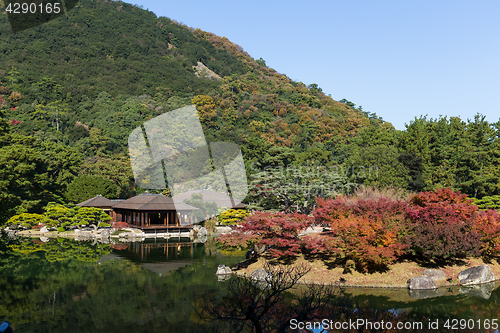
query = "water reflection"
x=115 y=291
x=154 y=286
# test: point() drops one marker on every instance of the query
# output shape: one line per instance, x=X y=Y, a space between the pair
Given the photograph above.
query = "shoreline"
x=394 y=278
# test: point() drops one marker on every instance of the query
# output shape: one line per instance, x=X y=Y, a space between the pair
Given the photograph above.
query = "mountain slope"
x=85 y=80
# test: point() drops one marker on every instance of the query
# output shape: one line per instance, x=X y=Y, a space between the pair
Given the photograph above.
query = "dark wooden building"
x=100 y=202
x=154 y=211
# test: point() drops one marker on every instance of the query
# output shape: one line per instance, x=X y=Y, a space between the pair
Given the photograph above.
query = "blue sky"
x=399 y=59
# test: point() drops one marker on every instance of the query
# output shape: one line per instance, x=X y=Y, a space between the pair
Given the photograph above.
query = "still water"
x=155 y=286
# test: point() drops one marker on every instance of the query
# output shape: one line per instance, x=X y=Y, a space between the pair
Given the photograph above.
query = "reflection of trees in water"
x=62 y=249
x=106 y=296
x=273 y=303
x=211 y=246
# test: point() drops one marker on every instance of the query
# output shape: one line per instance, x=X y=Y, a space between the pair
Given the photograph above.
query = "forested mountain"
x=72 y=90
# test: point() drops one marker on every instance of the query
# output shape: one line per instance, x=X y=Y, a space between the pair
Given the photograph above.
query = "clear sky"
x=400 y=59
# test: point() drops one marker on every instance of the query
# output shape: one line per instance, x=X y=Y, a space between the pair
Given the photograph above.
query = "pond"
x=154 y=286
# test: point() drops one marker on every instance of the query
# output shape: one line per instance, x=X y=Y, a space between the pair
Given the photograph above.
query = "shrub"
x=365 y=231
x=90 y=216
x=209 y=224
x=487 y=225
x=277 y=231
x=25 y=220
x=120 y=225
x=61 y=229
x=441 y=225
x=489 y=202
x=237 y=240
x=232 y=216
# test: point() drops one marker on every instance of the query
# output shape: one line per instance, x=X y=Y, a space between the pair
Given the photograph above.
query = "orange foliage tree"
x=365 y=231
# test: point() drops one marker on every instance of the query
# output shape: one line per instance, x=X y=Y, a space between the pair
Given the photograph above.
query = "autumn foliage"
x=278 y=231
x=363 y=230
x=487 y=225
x=442 y=225
x=373 y=232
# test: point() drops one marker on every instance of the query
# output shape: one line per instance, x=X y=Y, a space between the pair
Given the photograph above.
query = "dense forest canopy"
x=72 y=90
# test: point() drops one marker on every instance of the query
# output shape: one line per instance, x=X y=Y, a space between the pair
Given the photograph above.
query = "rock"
x=44 y=230
x=105 y=233
x=426 y=293
x=223 y=269
x=44 y=239
x=261 y=279
x=435 y=274
x=421 y=283
x=250 y=254
x=476 y=275
x=481 y=290
x=223 y=230
x=260 y=275
x=202 y=232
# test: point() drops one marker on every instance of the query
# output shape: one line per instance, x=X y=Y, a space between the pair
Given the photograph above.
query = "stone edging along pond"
x=447 y=277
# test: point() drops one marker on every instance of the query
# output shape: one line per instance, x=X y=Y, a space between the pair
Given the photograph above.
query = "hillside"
x=85 y=80
x=118 y=50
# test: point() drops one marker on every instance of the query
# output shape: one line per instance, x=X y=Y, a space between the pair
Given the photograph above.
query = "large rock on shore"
x=223 y=270
x=261 y=278
x=260 y=275
x=476 y=275
x=421 y=283
x=435 y=274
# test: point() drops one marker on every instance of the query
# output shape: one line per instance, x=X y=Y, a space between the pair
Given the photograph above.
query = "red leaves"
x=279 y=231
x=374 y=232
x=238 y=240
x=487 y=225
x=120 y=225
x=442 y=225
x=363 y=230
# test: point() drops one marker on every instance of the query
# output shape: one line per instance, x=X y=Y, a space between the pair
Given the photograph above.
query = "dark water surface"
x=68 y=286
x=155 y=286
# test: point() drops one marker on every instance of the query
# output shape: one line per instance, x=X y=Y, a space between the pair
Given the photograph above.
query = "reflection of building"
x=161 y=258
x=147 y=211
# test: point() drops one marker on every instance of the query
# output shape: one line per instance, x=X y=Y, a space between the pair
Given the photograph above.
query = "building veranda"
x=148 y=212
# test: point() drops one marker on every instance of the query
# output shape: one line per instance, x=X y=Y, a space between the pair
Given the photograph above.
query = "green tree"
x=232 y=216
x=295 y=188
x=85 y=187
x=25 y=220
x=377 y=166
